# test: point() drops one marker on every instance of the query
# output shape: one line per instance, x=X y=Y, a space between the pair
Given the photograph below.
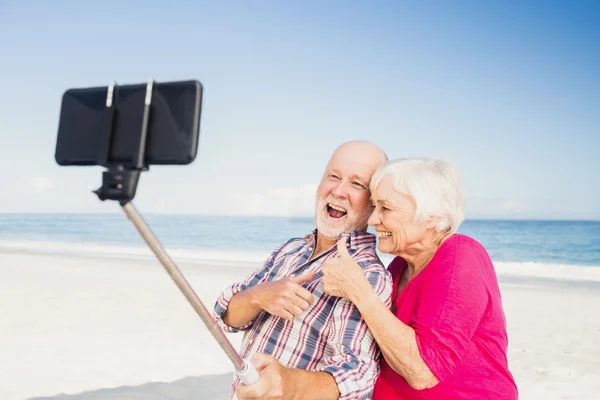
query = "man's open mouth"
x=336 y=211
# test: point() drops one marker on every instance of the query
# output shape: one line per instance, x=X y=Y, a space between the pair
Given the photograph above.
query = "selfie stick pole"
x=120 y=183
x=244 y=368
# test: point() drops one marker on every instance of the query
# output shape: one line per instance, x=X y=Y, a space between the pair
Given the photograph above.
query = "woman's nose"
x=374 y=218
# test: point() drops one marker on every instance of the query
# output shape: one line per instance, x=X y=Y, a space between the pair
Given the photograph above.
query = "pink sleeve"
x=450 y=307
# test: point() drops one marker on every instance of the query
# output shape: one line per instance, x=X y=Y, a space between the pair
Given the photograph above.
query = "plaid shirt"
x=331 y=335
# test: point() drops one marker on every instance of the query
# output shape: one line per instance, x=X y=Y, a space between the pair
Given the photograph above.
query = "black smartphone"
x=103 y=125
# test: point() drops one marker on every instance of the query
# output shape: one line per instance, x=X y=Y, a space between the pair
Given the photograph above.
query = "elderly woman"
x=445 y=336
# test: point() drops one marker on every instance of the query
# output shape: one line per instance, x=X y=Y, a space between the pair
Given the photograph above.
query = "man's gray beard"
x=329 y=231
x=334 y=232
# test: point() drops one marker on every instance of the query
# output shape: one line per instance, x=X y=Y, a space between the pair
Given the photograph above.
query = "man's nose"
x=340 y=190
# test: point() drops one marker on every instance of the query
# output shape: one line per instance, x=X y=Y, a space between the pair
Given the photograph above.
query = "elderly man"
x=304 y=343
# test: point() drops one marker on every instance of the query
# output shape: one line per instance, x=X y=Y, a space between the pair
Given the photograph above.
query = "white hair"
x=433 y=184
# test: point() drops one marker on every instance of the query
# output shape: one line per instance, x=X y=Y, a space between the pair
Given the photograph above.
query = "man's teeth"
x=384 y=234
x=338 y=208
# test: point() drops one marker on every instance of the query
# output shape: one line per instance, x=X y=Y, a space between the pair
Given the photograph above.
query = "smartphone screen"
x=86 y=126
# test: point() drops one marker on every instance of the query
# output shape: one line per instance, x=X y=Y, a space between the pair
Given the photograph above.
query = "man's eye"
x=359 y=185
x=334 y=176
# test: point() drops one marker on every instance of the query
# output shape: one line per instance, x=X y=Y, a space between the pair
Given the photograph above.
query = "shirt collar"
x=356 y=239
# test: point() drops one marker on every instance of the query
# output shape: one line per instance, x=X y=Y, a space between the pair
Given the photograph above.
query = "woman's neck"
x=421 y=254
x=416 y=263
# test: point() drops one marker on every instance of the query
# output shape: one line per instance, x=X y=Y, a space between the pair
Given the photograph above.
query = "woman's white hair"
x=433 y=184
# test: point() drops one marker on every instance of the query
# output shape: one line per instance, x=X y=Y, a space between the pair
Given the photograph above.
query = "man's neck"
x=323 y=244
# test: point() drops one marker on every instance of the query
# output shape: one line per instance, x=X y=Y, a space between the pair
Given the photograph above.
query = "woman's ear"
x=441 y=226
x=436 y=223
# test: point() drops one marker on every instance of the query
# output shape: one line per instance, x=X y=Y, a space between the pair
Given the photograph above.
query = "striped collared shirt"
x=331 y=335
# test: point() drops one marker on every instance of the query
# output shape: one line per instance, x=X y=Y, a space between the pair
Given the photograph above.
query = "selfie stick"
x=120 y=183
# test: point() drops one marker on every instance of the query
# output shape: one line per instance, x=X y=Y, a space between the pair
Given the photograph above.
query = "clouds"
x=496 y=207
x=286 y=201
x=565 y=205
x=41 y=184
x=512 y=205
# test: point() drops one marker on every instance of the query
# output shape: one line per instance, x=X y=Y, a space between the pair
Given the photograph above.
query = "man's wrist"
x=253 y=297
x=298 y=384
x=288 y=382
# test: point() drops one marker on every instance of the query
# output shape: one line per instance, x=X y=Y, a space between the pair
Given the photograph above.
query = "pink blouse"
x=454 y=306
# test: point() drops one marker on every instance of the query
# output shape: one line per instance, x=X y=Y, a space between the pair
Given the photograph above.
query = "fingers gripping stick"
x=249 y=375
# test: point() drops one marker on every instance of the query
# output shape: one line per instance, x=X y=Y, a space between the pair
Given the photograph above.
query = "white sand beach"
x=101 y=328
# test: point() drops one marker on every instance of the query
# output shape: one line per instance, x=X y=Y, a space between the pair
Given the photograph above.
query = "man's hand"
x=286 y=297
x=272 y=382
x=279 y=382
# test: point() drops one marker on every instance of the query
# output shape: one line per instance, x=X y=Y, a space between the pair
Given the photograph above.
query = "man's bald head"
x=360 y=150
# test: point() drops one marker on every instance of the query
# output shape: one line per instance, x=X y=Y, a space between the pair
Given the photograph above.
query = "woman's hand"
x=343 y=277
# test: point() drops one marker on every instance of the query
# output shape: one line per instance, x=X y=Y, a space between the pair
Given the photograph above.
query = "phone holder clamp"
x=120 y=181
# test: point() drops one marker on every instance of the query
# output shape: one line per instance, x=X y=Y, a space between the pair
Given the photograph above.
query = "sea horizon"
x=300 y=217
x=522 y=243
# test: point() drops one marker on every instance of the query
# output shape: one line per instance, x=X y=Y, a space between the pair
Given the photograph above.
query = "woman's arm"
x=396 y=340
x=450 y=309
x=343 y=277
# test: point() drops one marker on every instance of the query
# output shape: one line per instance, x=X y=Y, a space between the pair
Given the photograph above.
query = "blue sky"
x=508 y=90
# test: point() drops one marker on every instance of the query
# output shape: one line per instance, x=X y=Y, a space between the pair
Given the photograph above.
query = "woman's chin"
x=384 y=245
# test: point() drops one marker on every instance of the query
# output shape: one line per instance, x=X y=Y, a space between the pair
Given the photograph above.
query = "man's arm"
x=222 y=304
x=349 y=373
x=312 y=385
x=278 y=382
x=241 y=310
x=239 y=305
x=222 y=308
x=285 y=298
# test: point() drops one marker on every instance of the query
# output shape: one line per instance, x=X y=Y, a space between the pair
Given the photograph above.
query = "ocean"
x=549 y=249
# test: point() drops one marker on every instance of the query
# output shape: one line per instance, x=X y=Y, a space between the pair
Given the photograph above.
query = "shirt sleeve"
x=450 y=307
x=260 y=275
x=354 y=363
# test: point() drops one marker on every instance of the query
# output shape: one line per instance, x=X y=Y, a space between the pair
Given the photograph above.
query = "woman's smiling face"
x=394 y=220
